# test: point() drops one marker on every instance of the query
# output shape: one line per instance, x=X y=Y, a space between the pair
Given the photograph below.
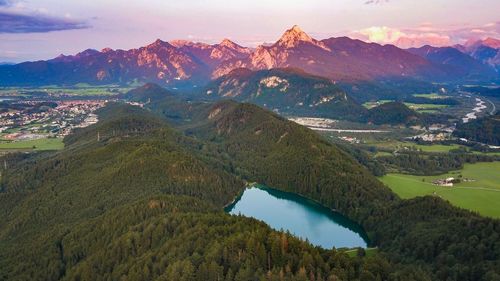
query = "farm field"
x=431 y=96
x=420 y=107
x=394 y=145
x=436 y=147
x=425 y=106
x=39 y=144
x=481 y=195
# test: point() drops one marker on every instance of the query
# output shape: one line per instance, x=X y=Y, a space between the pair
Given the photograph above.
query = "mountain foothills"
x=294 y=92
x=289 y=90
x=140 y=196
x=184 y=63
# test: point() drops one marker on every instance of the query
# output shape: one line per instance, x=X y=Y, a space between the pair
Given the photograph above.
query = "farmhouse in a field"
x=444 y=182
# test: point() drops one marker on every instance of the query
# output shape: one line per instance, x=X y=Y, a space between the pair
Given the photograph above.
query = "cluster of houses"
x=57 y=122
x=450 y=181
x=445 y=182
x=350 y=139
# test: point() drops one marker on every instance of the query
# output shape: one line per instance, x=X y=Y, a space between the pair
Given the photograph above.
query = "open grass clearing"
x=481 y=195
x=38 y=144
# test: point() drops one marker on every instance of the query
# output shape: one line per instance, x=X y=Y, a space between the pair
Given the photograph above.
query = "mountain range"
x=486 y=51
x=459 y=64
x=342 y=59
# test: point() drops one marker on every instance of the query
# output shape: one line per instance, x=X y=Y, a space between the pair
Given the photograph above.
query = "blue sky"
x=41 y=29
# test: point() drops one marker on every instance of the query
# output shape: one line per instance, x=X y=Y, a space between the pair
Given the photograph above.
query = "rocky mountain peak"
x=158 y=44
x=180 y=43
x=492 y=42
x=87 y=53
x=293 y=36
x=228 y=43
x=488 y=42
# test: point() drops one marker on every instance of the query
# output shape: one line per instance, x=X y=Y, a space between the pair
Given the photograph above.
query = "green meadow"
x=481 y=195
x=395 y=145
x=39 y=144
x=431 y=96
x=420 y=107
x=436 y=147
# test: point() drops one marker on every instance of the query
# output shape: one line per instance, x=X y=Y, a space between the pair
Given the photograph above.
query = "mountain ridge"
x=181 y=62
x=486 y=51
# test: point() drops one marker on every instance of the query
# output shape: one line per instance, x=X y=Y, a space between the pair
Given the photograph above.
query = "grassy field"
x=382 y=153
x=394 y=144
x=481 y=195
x=436 y=147
x=39 y=144
x=487 y=153
x=420 y=107
x=431 y=96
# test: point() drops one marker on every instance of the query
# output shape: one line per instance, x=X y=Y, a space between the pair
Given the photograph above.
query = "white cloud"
x=426 y=34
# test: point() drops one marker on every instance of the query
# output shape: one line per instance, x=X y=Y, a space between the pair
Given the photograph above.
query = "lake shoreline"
x=305 y=218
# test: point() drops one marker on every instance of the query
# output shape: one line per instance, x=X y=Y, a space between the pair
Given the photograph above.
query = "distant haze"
x=42 y=29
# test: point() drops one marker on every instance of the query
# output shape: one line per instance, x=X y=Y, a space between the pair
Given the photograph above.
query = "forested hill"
x=484 y=130
x=147 y=93
x=139 y=196
x=397 y=113
x=392 y=113
x=130 y=196
x=269 y=149
x=291 y=91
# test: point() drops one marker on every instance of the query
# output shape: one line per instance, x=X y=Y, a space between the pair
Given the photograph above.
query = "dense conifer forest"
x=140 y=196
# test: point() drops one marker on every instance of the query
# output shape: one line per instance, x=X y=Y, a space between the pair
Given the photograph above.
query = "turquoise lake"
x=300 y=216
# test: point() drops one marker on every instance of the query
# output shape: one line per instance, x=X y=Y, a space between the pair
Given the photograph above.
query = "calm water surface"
x=304 y=218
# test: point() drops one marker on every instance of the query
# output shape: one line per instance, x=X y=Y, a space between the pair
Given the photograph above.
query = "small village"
x=30 y=120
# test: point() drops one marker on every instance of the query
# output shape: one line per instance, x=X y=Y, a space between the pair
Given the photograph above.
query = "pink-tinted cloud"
x=427 y=34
